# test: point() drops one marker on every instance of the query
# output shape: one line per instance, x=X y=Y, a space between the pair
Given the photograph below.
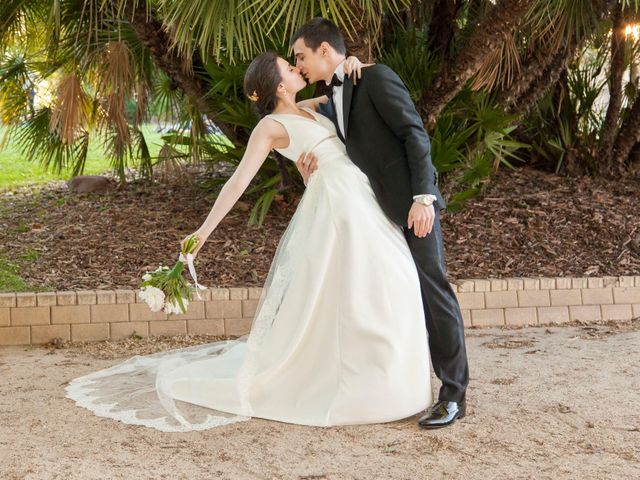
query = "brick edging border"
x=91 y=315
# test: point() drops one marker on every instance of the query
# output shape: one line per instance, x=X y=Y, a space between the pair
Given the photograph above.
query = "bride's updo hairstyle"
x=261 y=82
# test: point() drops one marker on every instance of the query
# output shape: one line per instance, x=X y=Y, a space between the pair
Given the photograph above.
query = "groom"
x=385 y=137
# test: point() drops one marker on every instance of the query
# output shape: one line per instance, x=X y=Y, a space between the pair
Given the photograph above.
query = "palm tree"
x=442 y=26
x=616 y=71
x=628 y=135
x=494 y=30
x=186 y=59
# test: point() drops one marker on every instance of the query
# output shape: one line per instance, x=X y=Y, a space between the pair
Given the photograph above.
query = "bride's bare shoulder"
x=272 y=131
x=269 y=126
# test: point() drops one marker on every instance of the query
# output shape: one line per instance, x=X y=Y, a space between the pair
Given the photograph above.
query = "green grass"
x=10 y=281
x=30 y=255
x=16 y=169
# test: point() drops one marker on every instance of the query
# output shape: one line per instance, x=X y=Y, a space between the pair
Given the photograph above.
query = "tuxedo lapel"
x=347 y=92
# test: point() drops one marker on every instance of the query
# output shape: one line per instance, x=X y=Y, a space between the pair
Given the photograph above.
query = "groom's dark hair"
x=318 y=30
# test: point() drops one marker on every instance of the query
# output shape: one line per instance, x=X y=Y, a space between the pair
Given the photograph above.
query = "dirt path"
x=543 y=403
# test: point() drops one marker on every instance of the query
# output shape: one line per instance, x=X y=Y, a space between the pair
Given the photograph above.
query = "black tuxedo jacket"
x=386 y=139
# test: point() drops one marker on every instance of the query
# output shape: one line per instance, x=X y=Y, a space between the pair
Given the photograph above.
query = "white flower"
x=175 y=307
x=168 y=307
x=146 y=277
x=154 y=297
x=171 y=308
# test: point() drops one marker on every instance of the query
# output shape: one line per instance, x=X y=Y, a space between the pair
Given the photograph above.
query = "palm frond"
x=70 y=112
x=554 y=23
x=18 y=19
x=37 y=143
x=116 y=86
x=17 y=84
x=240 y=28
x=499 y=68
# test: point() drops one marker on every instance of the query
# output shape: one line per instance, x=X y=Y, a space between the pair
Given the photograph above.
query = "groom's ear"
x=325 y=48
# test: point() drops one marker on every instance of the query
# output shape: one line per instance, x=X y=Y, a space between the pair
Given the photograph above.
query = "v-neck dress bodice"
x=305 y=135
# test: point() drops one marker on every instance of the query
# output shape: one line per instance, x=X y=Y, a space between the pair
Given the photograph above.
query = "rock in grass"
x=90 y=183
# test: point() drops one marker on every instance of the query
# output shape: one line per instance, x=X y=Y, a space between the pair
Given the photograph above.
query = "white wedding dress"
x=339 y=335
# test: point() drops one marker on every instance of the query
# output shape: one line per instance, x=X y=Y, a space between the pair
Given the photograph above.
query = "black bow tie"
x=335 y=81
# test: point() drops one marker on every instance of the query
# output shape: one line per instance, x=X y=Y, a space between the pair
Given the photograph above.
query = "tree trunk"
x=629 y=133
x=534 y=68
x=628 y=136
x=540 y=84
x=542 y=69
x=502 y=20
x=612 y=118
x=414 y=13
x=571 y=165
x=151 y=33
x=634 y=76
x=442 y=27
x=361 y=41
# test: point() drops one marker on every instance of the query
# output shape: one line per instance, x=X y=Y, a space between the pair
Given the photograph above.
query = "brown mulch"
x=526 y=223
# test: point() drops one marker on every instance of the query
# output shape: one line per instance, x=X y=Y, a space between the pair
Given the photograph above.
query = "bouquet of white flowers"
x=167 y=289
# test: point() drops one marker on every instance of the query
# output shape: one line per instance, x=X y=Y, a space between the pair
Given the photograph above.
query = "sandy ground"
x=557 y=402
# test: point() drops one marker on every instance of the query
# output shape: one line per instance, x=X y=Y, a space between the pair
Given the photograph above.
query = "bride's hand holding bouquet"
x=167 y=289
x=199 y=237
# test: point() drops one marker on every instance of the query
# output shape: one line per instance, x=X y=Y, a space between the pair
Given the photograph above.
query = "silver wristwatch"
x=427 y=199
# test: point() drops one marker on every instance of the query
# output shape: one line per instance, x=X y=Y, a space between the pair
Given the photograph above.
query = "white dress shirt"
x=337 y=102
x=337 y=96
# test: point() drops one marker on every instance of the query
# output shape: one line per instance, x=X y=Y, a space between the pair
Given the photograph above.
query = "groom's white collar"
x=339 y=71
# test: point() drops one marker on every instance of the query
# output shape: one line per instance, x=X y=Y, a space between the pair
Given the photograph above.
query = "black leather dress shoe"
x=442 y=414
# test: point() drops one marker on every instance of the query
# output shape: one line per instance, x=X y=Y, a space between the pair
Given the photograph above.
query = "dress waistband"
x=318 y=143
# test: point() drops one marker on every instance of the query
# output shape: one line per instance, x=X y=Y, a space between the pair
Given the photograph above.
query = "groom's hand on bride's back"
x=307 y=164
x=421 y=218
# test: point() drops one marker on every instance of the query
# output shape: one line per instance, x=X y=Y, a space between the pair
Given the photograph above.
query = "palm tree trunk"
x=534 y=68
x=627 y=137
x=571 y=164
x=442 y=27
x=361 y=40
x=542 y=69
x=540 y=84
x=502 y=20
x=414 y=13
x=612 y=118
x=152 y=34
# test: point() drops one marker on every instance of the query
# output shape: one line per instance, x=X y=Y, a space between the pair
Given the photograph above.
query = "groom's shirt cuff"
x=428 y=195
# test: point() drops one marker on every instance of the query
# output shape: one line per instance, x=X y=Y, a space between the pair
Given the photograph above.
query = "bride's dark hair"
x=261 y=82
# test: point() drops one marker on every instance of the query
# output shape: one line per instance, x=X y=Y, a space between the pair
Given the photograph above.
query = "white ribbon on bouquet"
x=192 y=271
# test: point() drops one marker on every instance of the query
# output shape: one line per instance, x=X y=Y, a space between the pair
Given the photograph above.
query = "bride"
x=339 y=334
